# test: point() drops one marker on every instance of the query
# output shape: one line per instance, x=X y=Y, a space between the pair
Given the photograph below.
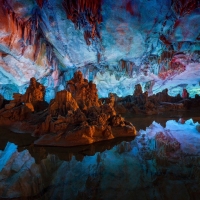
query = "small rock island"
x=75 y=117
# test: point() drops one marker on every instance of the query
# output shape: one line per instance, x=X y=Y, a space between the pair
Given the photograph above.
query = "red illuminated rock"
x=73 y=126
x=62 y=103
x=84 y=92
x=74 y=117
x=22 y=105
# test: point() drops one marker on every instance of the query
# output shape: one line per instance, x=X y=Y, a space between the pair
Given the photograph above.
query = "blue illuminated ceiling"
x=117 y=44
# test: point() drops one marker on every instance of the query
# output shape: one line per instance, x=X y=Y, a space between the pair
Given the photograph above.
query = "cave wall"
x=117 y=44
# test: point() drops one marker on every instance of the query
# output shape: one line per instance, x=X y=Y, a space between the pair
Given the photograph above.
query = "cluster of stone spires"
x=75 y=117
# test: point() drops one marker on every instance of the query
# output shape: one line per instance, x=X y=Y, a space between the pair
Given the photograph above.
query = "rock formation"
x=185 y=94
x=84 y=92
x=42 y=38
x=35 y=92
x=19 y=111
x=77 y=117
x=74 y=117
x=140 y=102
x=137 y=91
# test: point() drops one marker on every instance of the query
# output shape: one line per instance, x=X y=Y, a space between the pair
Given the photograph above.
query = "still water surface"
x=123 y=168
x=25 y=141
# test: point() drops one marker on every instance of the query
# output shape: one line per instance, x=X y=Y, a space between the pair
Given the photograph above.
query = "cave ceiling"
x=116 y=44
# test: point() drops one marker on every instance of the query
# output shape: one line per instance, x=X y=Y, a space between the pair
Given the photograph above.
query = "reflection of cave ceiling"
x=114 y=43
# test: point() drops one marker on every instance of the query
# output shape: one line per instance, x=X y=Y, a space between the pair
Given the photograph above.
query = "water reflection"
x=158 y=164
x=129 y=170
x=79 y=152
x=143 y=121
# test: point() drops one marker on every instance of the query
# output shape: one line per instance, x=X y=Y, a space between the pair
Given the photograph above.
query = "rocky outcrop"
x=62 y=104
x=73 y=126
x=84 y=92
x=137 y=91
x=35 y=92
x=18 y=111
x=74 y=117
x=140 y=102
x=16 y=117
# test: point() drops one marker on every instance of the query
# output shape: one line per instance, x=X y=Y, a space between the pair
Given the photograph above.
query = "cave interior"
x=99 y=99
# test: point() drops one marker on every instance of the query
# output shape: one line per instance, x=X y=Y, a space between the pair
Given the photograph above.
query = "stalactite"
x=127 y=67
x=55 y=73
x=38 y=47
x=130 y=70
x=53 y=62
x=98 y=57
x=49 y=52
x=165 y=40
x=51 y=57
x=28 y=28
x=30 y=33
x=40 y=3
x=24 y=33
x=87 y=37
x=85 y=14
x=23 y=50
x=182 y=7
